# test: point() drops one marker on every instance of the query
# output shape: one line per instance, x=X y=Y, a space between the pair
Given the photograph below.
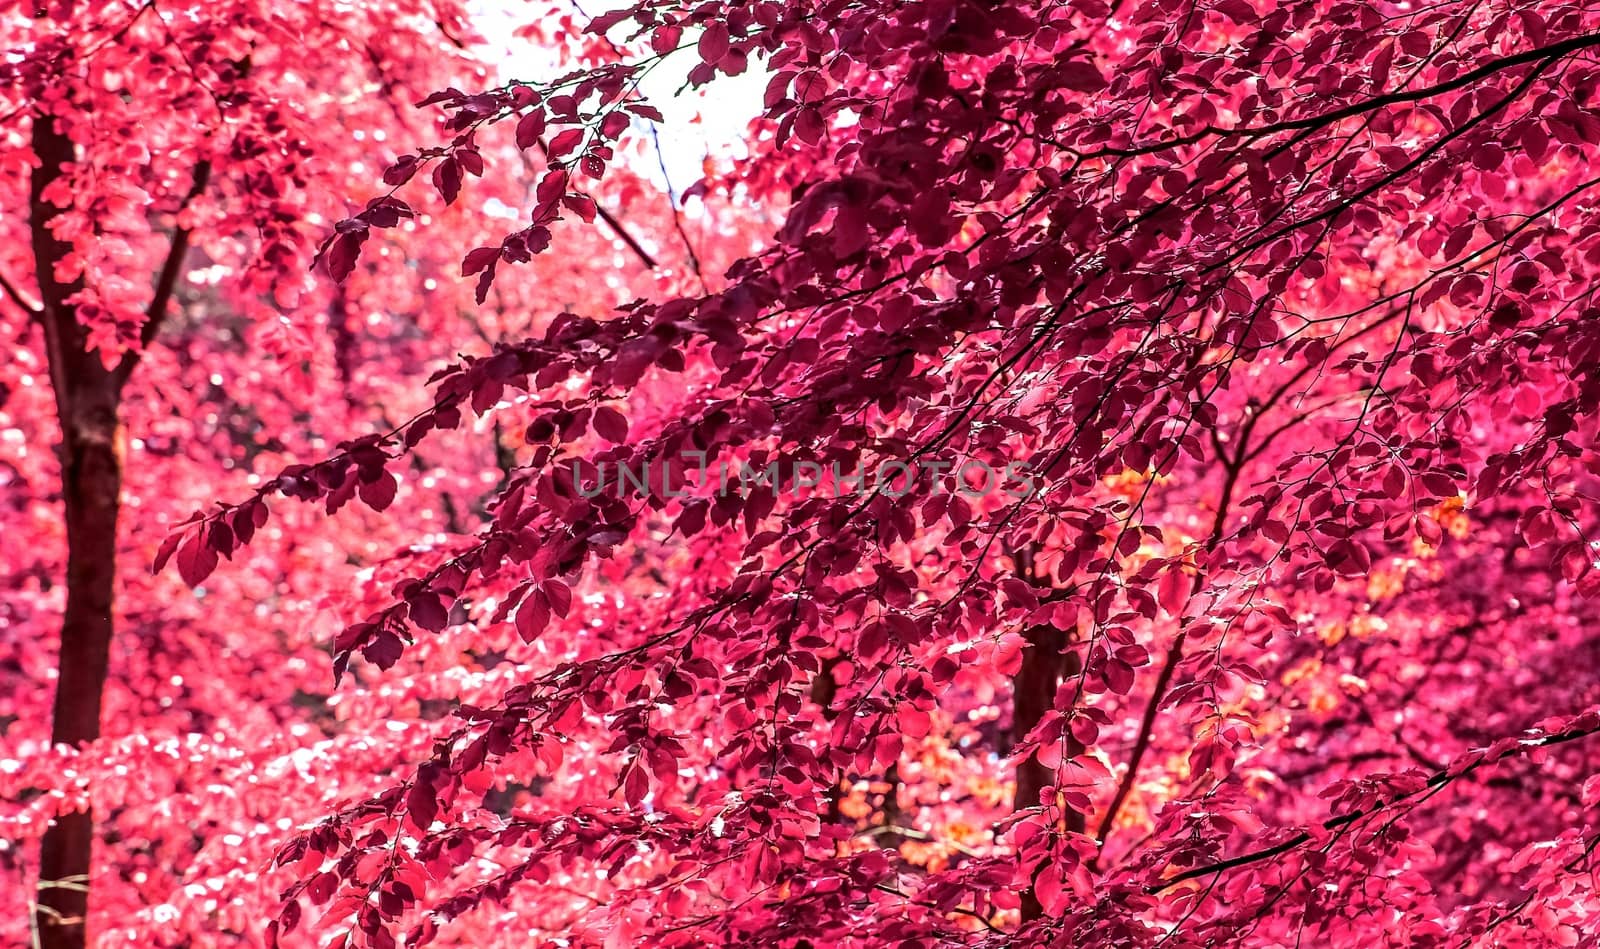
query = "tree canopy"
x=1088 y=475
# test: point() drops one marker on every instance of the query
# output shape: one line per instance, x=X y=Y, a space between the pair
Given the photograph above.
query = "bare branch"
x=677 y=213
x=20 y=298
x=167 y=279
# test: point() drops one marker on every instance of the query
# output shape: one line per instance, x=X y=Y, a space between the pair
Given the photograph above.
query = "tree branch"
x=1435 y=781
x=19 y=298
x=1174 y=656
x=1543 y=55
x=167 y=279
x=677 y=215
x=885 y=888
x=167 y=282
x=604 y=215
x=627 y=238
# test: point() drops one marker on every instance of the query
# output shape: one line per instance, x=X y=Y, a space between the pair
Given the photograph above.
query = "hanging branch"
x=1435 y=781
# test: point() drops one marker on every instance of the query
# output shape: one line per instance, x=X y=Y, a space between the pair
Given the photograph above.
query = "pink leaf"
x=610 y=424
x=565 y=143
x=713 y=43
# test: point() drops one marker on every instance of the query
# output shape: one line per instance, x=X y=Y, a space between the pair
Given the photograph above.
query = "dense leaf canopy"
x=1084 y=475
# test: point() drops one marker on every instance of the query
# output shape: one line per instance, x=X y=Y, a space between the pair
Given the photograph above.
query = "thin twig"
x=677 y=213
x=19 y=298
x=604 y=215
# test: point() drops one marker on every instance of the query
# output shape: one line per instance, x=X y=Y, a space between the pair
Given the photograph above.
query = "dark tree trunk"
x=1047 y=661
x=91 y=483
x=1033 y=693
x=823 y=690
x=88 y=397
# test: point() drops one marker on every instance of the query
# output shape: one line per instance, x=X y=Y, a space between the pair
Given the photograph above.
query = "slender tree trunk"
x=823 y=689
x=1033 y=693
x=1046 y=662
x=88 y=397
